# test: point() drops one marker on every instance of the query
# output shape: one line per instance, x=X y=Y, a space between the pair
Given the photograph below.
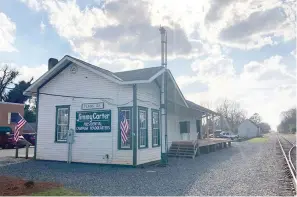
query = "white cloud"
x=117 y=65
x=33 y=4
x=7 y=33
x=75 y=23
x=27 y=72
x=109 y=30
x=112 y=30
x=212 y=68
x=294 y=54
x=267 y=87
x=234 y=23
x=42 y=27
x=184 y=80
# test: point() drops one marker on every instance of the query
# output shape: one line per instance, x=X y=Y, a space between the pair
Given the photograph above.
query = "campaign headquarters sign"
x=93 y=121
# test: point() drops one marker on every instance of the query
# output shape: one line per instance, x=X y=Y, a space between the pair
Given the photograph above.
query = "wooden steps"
x=182 y=149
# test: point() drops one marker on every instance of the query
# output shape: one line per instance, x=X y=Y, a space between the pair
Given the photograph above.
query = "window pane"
x=142 y=128
x=62 y=126
x=155 y=128
x=128 y=115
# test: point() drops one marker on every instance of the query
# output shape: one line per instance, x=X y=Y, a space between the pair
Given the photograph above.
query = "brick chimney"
x=52 y=62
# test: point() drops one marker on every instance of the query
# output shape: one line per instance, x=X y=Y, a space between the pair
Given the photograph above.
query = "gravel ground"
x=11 y=152
x=246 y=168
x=5 y=161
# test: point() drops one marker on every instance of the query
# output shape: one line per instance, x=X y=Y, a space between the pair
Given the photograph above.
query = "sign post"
x=70 y=140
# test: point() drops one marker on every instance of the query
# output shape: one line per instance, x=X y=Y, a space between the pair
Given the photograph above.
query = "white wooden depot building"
x=248 y=129
x=75 y=95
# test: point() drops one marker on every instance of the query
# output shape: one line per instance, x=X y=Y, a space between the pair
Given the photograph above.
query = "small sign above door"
x=87 y=106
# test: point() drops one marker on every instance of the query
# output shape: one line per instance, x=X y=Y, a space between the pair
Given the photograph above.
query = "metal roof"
x=107 y=72
x=200 y=108
x=139 y=74
x=131 y=75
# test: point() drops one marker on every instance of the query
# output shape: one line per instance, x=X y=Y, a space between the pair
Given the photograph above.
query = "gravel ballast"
x=246 y=168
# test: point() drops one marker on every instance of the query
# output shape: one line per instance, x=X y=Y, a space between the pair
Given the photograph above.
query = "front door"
x=185 y=130
x=198 y=127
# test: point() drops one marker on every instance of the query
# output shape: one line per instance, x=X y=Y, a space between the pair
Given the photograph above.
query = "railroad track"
x=288 y=150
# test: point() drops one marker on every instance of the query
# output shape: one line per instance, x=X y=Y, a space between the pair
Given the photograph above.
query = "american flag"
x=124 y=128
x=18 y=119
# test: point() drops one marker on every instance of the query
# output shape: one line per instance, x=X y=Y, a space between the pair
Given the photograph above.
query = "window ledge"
x=155 y=146
x=124 y=148
x=60 y=141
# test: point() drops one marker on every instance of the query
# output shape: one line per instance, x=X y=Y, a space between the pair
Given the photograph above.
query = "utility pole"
x=164 y=147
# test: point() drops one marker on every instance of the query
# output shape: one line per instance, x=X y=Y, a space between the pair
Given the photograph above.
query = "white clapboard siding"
x=88 y=147
x=174 y=127
x=247 y=129
x=148 y=95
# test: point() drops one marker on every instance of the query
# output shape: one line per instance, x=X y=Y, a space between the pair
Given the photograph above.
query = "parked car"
x=228 y=135
x=22 y=142
x=30 y=138
x=6 y=141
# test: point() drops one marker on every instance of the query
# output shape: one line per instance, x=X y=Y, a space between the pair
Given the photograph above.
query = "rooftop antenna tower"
x=164 y=137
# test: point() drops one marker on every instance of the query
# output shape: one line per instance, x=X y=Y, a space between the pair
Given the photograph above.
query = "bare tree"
x=232 y=114
x=7 y=75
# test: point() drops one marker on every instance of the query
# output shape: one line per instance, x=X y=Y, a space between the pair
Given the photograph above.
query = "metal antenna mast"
x=164 y=94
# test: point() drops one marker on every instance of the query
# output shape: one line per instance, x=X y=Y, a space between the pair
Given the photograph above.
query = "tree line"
x=288 y=121
x=11 y=91
x=232 y=115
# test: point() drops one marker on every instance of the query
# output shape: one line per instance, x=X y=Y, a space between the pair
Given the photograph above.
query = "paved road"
x=244 y=169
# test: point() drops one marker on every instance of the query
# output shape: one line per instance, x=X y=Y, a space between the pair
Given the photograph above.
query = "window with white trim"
x=125 y=139
x=142 y=128
x=155 y=128
x=62 y=123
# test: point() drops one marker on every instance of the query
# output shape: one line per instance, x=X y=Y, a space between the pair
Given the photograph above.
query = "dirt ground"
x=10 y=186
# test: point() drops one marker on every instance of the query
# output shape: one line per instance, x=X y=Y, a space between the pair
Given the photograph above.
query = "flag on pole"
x=18 y=119
x=124 y=127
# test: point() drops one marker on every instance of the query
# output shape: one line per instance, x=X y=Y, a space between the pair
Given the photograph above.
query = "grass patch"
x=60 y=191
x=258 y=139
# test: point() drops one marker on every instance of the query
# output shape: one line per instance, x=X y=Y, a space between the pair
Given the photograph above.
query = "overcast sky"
x=242 y=50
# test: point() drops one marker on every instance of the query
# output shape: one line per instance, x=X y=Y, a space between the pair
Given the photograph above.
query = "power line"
x=83 y=97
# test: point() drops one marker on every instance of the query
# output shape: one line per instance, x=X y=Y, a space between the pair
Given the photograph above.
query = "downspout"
x=135 y=127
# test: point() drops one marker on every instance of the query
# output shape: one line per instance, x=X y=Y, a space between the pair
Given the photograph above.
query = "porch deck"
x=204 y=145
x=203 y=142
x=212 y=141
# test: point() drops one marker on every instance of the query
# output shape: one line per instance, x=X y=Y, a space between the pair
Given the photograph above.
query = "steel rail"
x=289 y=163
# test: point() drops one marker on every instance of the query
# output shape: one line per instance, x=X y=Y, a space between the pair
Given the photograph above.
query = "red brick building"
x=5 y=110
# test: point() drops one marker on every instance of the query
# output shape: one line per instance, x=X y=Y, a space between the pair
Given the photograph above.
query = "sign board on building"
x=88 y=106
x=93 y=121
